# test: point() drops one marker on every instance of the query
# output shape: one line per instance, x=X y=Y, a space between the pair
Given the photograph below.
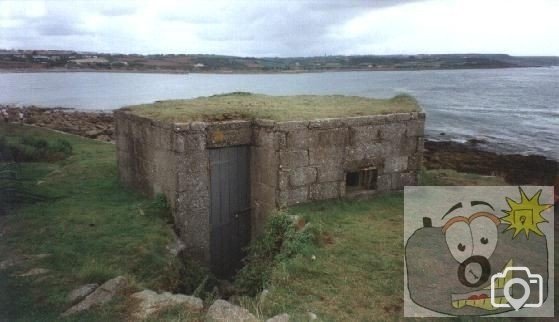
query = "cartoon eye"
x=484 y=235
x=459 y=240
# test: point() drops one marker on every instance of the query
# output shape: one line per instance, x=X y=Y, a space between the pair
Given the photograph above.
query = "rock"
x=279 y=318
x=34 y=272
x=101 y=295
x=92 y=133
x=150 y=302
x=223 y=311
x=312 y=316
x=81 y=292
x=104 y=138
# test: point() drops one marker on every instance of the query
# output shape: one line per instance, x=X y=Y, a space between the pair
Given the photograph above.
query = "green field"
x=91 y=228
x=280 y=108
x=94 y=229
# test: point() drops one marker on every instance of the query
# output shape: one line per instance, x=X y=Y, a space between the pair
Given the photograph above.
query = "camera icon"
x=502 y=282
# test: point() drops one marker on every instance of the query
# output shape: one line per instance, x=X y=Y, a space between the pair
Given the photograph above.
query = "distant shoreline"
x=243 y=72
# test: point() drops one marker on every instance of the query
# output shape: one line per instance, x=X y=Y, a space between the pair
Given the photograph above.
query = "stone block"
x=294 y=159
x=398 y=117
x=300 y=139
x=291 y=125
x=265 y=123
x=283 y=180
x=395 y=164
x=194 y=142
x=264 y=165
x=263 y=137
x=263 y=194
x=392 y=132
x=330 y=171
x=331 y=137
x=420 y=144
x=363 y=135
x=198 y=126
x=280 y=141
x=328 y=123
x=415 y=127
x=298 y=195
x=408 y=178
x=370 y=151
x=326 y=154
x=325 y=190
x=221 y=138
x=302 y=176
x=415 y=161
x=384 y=182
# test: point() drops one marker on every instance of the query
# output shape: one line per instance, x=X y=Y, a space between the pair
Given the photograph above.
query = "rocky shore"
x=462 y=157
x=94 y=125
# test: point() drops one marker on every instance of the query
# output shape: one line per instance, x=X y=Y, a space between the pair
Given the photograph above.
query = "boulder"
x=81 y=292
x=100 y=296
x=223 y=311
x=150 y=302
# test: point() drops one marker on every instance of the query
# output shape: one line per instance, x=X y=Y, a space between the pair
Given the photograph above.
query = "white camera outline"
x=502 y=274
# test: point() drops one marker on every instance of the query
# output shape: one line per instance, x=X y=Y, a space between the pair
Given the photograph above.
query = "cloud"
x=283 y=28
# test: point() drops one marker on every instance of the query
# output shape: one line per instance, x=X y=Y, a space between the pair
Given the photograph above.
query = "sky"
x=284 y=28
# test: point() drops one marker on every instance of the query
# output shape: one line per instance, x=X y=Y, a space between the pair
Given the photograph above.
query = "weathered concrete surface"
x=290 y=162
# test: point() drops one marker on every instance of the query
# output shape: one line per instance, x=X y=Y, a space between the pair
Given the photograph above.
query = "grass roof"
x=241 y=105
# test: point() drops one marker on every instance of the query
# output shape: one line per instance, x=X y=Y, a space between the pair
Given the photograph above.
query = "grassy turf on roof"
x=240 y=105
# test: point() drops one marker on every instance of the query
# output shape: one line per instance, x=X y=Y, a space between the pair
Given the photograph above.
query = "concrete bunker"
x=226 y=162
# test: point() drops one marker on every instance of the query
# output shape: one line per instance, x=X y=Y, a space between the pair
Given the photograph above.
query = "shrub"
x=280 y=241
x=32 y=149
x=12 y=188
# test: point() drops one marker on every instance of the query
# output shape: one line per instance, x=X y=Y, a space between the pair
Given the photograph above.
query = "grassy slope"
x=358 y=271
x=280 y=108
x=93 y=228
x=357 y=274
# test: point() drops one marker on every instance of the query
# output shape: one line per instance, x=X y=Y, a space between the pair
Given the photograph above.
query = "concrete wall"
x=291 y=162
x=315 y=156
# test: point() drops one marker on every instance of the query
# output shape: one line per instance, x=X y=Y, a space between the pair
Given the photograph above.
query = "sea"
x=512 y=110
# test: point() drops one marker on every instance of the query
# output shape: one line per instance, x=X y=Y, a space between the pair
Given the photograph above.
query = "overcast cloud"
x=284 y=28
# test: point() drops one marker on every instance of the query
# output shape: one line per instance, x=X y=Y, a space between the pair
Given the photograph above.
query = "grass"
x=242 y=105
x=355 y=271
x=92 y=228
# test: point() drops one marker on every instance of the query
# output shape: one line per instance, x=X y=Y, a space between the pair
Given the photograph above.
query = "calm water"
x=515 y=110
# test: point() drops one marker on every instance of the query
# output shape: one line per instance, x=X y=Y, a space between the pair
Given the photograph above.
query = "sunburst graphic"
x=526 y=214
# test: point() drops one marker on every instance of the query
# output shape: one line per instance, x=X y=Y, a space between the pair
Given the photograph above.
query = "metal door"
x=229 y=208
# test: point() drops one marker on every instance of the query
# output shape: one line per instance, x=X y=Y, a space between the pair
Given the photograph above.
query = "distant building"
x=41 y=59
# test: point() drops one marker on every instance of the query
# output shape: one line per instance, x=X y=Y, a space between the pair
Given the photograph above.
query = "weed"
x=280 y=241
